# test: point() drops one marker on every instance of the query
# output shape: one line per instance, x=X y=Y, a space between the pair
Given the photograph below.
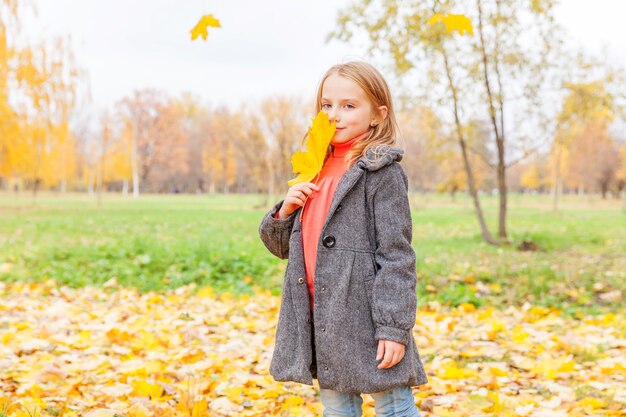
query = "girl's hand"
x=393 y=353
x=296 y=196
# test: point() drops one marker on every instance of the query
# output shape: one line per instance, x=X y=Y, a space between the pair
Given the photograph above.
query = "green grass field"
x=159 y=242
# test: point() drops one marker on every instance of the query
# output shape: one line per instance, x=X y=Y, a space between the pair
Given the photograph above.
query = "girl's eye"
x=350 y=106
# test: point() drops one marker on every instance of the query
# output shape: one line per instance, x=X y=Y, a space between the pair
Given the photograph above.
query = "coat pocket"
x=368 y=282
x=365 y=271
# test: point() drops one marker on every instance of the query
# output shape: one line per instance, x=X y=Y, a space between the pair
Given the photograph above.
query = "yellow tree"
x=530 y=177
x=585 y=103
x=50 y=78
x=120 y=156
x=224 y=133
x=37 y=94
x=10 y=119
x=105 y=141
x=63 y=157
x=12 y=150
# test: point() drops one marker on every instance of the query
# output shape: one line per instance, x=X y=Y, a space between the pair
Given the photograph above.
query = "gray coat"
x=364 y=284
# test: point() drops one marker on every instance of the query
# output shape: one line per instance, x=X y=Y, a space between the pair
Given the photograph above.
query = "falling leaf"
x=457 y=22
x=202 y=25
x=308 y=164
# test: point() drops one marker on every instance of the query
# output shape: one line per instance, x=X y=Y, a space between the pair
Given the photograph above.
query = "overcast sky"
x=264 y=48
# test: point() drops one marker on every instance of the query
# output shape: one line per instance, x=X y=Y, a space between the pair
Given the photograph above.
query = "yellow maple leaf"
x=145 y=388
x=308 y=164
x=202 y=25
x=458 y=22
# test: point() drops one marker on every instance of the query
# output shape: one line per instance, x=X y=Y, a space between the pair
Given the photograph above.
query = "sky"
x=263 y=48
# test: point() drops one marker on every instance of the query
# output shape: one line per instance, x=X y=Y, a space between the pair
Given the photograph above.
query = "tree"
x=224 y=134
x=283 y=122
x=37 y=95
x=591 y=102
x=141 y=110
x=194 y=123
x=594 y=159
x=421 y=133
x=255 y=153
x=106 y=137
x=492 y=76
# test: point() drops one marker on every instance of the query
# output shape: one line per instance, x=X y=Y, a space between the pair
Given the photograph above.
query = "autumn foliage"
x=191 y=352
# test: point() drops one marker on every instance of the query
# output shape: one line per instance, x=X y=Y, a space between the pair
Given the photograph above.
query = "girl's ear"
x=381 y=115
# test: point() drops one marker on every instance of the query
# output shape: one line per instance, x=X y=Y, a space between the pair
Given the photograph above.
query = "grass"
x=159 y=242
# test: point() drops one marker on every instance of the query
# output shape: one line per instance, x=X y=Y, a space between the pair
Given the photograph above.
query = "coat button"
x=301 y=280
x=323 y=288
x=326 y=368
x=323 y=329
x=329 y=241
x=338 y=208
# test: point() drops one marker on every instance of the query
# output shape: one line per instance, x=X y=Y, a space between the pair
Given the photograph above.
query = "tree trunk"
x=498 y=130
x=468 y=169
x=134 y=164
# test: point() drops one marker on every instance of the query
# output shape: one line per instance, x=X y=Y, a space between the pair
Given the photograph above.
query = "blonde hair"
x=377 y=91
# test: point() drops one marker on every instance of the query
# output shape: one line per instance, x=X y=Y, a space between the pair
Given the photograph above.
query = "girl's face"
x=345 y=102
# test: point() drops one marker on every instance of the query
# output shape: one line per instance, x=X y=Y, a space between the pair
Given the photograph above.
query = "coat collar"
x=380 y=157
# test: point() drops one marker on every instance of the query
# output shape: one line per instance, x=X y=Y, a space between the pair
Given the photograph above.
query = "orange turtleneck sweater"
x=317 y=204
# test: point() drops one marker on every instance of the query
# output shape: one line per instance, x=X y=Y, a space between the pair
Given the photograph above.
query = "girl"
x=350 y=326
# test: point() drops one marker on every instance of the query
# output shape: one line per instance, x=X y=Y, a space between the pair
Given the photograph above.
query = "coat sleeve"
x=275 y=233
x=394 y=301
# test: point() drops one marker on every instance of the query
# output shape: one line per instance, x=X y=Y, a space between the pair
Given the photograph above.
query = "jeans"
x=395 y=402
